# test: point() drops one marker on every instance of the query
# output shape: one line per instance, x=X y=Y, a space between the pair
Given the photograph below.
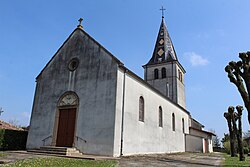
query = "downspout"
x=123 y=100
x=172 y=82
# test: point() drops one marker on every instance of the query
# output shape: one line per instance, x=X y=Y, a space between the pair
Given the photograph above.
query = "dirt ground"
x=173 y=160
x=153 y=160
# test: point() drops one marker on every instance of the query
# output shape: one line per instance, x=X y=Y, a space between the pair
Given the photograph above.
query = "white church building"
x=87 y=99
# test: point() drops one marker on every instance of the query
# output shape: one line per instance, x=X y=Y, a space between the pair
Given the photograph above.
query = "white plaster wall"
x=147 y=137
x=203 y=145
x=118 y=113
x=210 y=145
x=94 y=81
x=181 y=98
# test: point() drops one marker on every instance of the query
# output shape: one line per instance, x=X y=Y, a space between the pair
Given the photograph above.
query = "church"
x=87 y=99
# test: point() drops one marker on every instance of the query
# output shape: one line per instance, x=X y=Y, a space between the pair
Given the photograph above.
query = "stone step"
x=58 y=150
x=74 y=154
x=66 y=149
x=48 y=152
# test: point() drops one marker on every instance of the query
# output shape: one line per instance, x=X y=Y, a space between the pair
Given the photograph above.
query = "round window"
x=73 y=64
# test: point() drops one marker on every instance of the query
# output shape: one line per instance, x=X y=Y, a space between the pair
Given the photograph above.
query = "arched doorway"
x=67 y=108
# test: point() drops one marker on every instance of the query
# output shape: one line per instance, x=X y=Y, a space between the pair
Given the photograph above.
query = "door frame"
x=65 y=105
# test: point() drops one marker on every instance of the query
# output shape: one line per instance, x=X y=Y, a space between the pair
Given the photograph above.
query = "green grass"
x=65 y=162
x=234 y=161
x=2 y=154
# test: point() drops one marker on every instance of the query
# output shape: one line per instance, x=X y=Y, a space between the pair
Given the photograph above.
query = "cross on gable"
x=80 y=23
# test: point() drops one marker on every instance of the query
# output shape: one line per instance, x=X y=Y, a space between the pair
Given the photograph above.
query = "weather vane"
x=162 y=11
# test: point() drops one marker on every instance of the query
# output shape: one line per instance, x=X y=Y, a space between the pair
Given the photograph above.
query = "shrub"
x=245 y=150
x=227 y=147
x=12 y=139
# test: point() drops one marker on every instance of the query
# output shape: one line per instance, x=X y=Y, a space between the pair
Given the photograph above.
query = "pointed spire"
x=164 y=49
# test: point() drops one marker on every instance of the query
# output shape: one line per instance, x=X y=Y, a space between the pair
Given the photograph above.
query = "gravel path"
x=173 y=160
x=155 y=160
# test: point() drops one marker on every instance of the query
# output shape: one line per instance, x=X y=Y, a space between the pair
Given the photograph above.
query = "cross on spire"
x=80 y=23
x=162 y=11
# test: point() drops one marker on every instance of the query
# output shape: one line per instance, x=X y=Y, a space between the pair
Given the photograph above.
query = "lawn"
x=2 y=154
x=234 y=161
x=65 y=162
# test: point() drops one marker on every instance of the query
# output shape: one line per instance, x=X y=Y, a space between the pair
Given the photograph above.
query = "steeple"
x=164 y=49
x=163 y=71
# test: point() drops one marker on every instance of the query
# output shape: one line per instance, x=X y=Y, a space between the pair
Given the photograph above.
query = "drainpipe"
x=123 y=100
x=173 y=82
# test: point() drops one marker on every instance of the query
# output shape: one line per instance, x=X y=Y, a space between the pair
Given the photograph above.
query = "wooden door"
x=66 y=127
x=206 y=146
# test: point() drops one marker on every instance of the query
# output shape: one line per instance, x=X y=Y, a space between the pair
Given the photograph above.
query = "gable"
x=73 y=44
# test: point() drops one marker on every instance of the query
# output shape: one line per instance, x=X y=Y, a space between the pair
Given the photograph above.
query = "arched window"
x=141 y=109
x=183 y=125
x=156 y=72
x=160 y=117
x=179 y=76
x=173 y=122
x=163 y=72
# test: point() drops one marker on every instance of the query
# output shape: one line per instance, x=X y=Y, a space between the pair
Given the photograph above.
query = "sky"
x=206 y=36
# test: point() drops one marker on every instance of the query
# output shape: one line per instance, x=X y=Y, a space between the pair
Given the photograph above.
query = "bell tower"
x=163 y=71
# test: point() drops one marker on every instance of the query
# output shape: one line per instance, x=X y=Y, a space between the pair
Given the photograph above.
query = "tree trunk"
x=232 y=144
x=239 y=134
x=248 y=111
x=234 y=132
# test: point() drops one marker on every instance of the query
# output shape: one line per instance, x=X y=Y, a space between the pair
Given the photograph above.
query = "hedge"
x=13 y=139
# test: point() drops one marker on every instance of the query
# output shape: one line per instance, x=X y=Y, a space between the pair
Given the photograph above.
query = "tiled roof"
x=164 y=48
x=5 y=125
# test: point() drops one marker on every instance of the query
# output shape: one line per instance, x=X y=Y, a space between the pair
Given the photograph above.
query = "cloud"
x=196 y=59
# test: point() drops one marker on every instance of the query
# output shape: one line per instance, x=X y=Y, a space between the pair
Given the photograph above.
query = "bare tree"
x=239 y=74
x=239 y=134
x=228 y=116
x=14 y=122
x=234 y=131
x=216 y=141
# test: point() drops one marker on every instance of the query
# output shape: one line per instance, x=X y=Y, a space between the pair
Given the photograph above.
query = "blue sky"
x=206 y=35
